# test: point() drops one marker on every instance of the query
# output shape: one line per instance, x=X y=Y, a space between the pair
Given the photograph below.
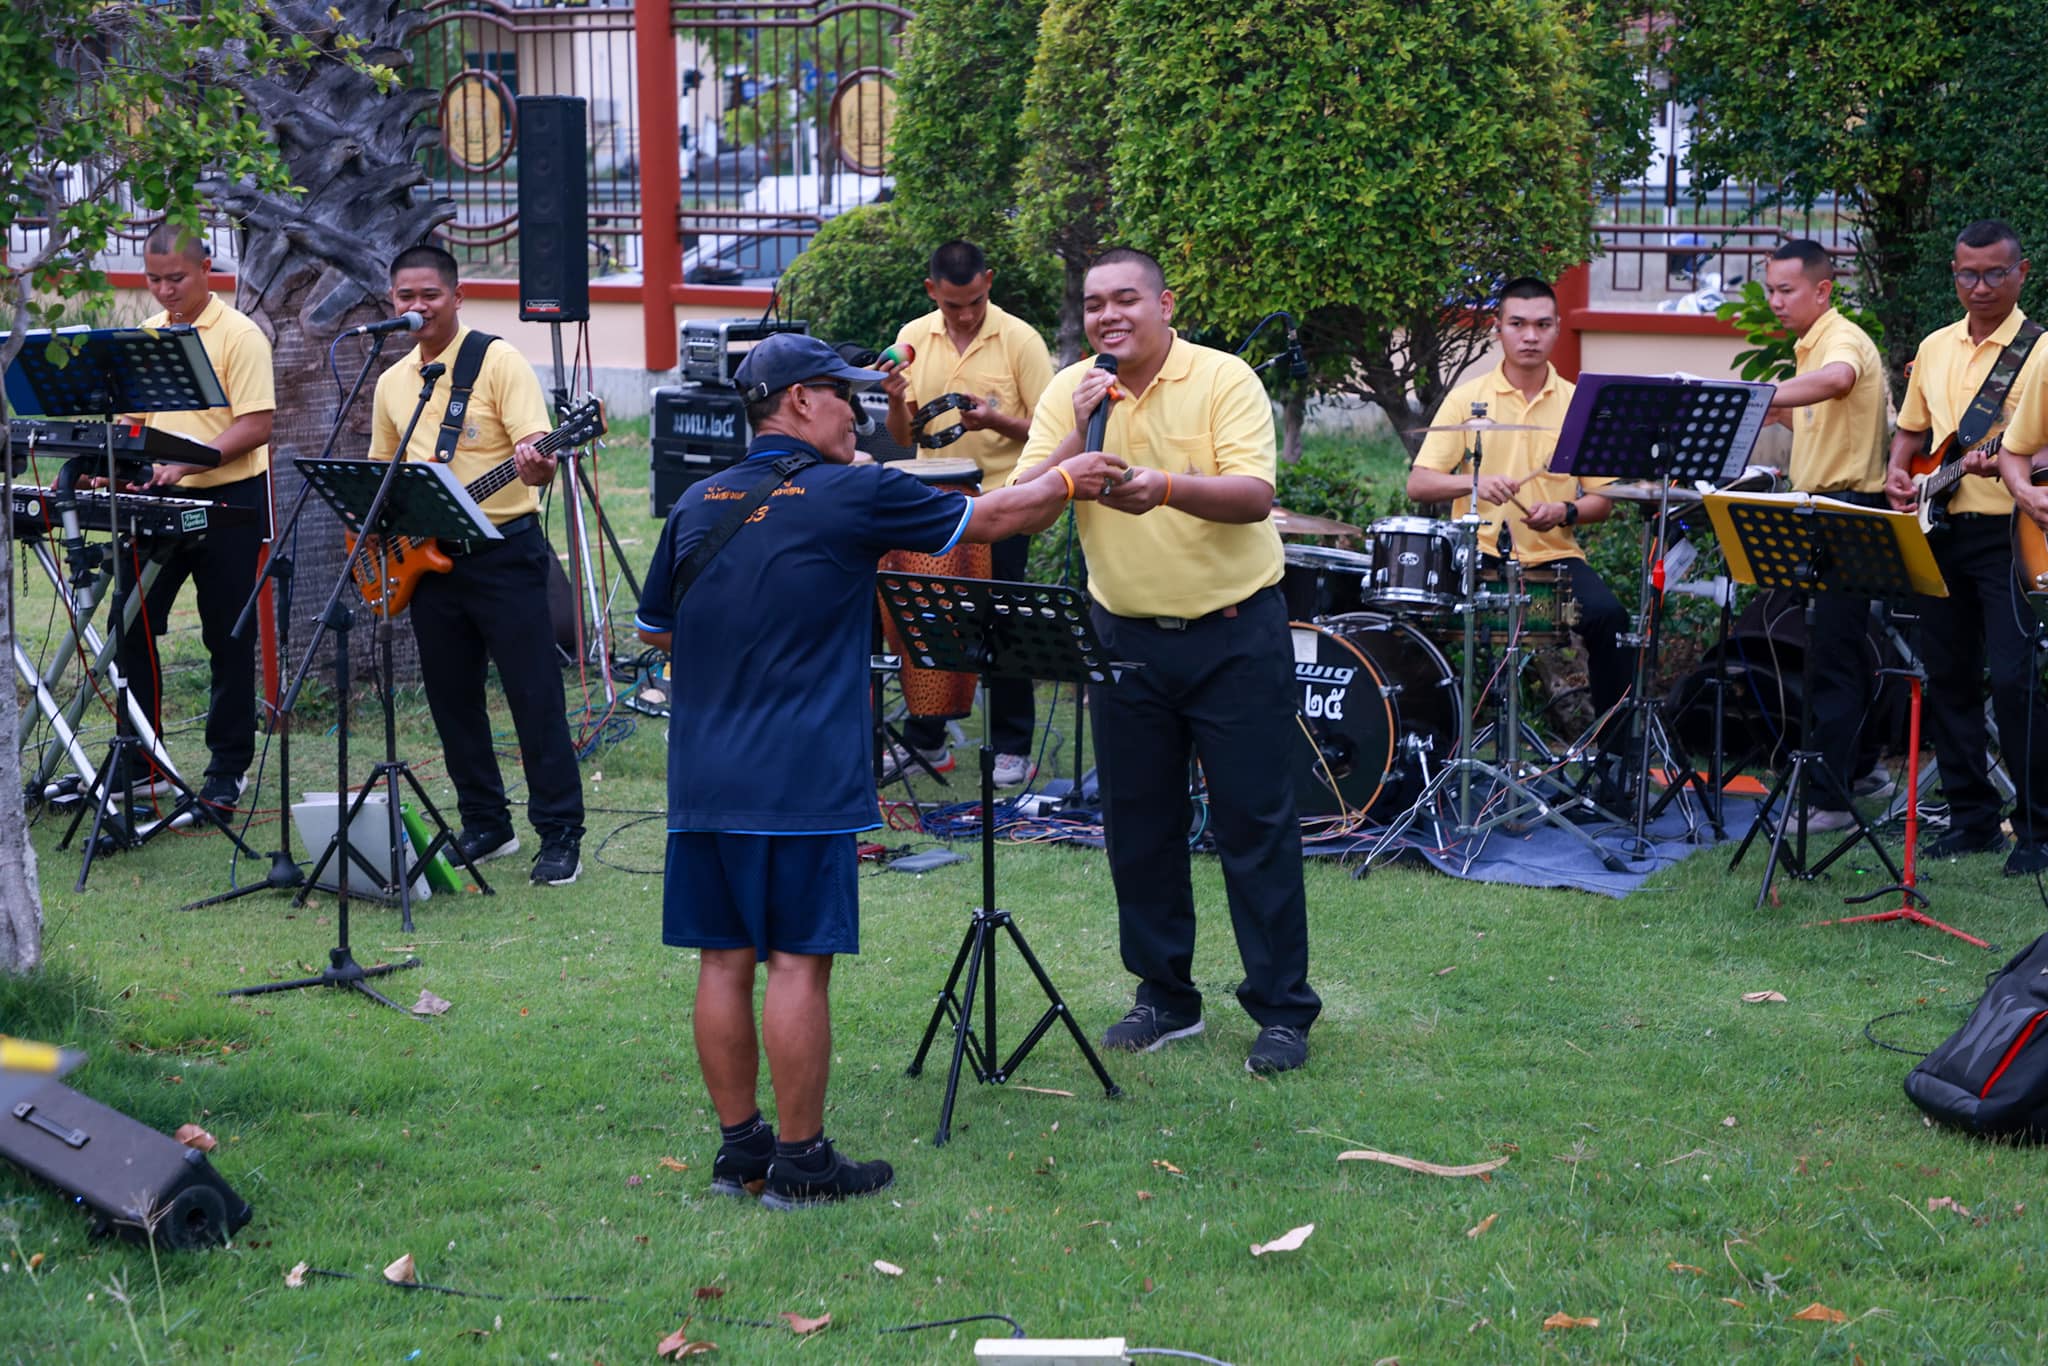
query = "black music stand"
x=1661 y=428
x=103 y=373
x=997 y=630
x=1818 y=545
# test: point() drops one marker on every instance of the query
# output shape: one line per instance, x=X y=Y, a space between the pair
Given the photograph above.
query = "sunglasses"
x=841 y=387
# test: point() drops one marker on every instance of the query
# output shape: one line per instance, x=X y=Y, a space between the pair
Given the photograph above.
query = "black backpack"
x=1991 y=1076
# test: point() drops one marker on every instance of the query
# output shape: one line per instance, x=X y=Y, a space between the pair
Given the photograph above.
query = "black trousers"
x=1012 y=710
x=1602 y=623
x=1222 y=691
x=223 y=567
x=492 y=608
x=1984 y=621
x=1843 y=684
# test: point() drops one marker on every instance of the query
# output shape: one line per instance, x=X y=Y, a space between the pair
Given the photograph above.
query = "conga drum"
x=935 y=693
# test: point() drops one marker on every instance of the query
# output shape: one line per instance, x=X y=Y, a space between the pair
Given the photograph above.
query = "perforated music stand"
x=998 y=630
x=1661 y=428
x=1817 y=545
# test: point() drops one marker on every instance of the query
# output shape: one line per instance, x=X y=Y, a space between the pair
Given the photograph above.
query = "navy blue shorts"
x=790 y=893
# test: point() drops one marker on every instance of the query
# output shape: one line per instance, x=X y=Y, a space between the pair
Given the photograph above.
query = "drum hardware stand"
x=998 y=630
x=1523 y=801
x=583 y=586
x=1838 y=548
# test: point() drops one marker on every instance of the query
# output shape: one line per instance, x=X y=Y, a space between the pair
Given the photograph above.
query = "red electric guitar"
x=387 y=589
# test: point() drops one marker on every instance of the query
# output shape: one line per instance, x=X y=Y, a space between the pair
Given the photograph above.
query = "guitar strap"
x=1989 y=405
x=469 y=361
x=778 y=472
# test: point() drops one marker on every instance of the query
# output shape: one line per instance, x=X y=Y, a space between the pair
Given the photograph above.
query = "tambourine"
x=944 y=403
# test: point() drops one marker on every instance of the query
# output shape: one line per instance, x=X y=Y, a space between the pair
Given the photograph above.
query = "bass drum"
x=1374 y=697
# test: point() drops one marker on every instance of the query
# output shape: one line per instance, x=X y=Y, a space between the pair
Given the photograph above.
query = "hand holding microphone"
x=1092 y=400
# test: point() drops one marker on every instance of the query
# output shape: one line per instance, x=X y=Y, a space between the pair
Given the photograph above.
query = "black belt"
x=1980 y=516
x=1182 y=623
x=518 y=526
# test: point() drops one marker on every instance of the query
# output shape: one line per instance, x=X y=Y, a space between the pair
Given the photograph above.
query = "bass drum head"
x=1364 y=685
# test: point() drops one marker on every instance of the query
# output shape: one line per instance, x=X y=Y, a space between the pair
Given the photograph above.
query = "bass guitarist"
x=1965 y=381
x=491 y=606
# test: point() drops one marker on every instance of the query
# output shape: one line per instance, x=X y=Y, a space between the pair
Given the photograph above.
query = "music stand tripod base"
x=997 y=630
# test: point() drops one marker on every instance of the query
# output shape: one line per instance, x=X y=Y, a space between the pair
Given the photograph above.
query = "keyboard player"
x=222 y=564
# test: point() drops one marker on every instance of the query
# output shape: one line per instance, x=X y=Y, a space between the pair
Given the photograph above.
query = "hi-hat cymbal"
x=1648 y=492
x=1305 y=524
x=1480 y=424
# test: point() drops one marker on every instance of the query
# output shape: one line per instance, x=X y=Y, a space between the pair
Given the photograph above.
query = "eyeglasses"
x=1996 y=276
x=841 y=387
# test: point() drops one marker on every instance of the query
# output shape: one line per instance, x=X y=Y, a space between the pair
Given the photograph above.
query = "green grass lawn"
x=1690 y=1170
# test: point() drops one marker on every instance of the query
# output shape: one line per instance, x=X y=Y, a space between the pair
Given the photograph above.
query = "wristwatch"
x=1571 y=513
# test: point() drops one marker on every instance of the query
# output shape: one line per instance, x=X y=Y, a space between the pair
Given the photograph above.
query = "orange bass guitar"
x=2030 y=550
x=387 y=582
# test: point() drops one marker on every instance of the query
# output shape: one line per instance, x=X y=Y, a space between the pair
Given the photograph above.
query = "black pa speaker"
x=135 y=1181
x=554 y=211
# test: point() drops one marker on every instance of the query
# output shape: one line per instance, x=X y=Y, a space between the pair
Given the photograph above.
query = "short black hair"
x=169 y=239
x=430 y=257
x=959 y=262
x=1811 y=256
x=1527 y=287
x=1118 y=256
x=1989 y=232
x=761 y=409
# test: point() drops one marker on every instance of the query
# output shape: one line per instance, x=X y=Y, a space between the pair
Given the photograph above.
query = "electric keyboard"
x=141 y=514
x=133 y=442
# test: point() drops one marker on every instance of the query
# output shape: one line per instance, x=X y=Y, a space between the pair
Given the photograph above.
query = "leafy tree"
x=1070 y=133
x=860 y=279
x=1376 y=168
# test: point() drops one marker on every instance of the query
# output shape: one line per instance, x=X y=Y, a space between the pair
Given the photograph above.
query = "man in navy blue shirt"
x=769 y=725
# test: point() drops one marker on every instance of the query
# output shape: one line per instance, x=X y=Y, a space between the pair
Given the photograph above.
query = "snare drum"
x=1376 y=700
x=1550 y=613
x=1322 y=581
x=1414 y=565
x=934 y=693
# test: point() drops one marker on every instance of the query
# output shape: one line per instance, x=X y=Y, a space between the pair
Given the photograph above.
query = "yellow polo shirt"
x=1518 y=455
x=2026 y=425
x=1948 y=370
x=1005 y=366
x=1839 y=446
x=505 y=406
x=1204 y=413
x=240 y=356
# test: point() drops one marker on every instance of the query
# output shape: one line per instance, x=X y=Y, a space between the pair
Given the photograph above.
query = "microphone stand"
x=285 y=873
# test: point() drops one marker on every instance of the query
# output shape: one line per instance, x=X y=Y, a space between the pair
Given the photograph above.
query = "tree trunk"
x=1293 y=412
x=316 y=264
x=1071 y=337
x=21 y=903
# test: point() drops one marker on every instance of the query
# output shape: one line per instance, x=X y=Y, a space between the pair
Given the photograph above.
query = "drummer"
x=1515 y=486
x=969 y=346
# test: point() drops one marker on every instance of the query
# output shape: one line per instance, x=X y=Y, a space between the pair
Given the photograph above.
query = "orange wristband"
x=1167 y=496
x=1061 y=471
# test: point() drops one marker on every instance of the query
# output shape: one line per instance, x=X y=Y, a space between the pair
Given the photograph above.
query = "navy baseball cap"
x=788 y=358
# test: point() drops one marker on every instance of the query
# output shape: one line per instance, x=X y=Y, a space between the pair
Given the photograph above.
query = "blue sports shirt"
x=770 y=726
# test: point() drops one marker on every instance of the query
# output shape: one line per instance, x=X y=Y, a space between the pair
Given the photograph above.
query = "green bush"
x=860 y=279
x=1769 y=357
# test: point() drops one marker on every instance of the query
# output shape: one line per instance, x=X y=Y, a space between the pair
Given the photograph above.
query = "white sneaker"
x=1014 y=769
x=1876 y=785
x=898 y=759
x=1818 y=819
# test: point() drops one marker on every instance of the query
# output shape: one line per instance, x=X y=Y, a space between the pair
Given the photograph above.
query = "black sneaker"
x=2027 y=858
x=559 y=862
x=825 y=1179
x=1145 y=1030
x=479 y=846
x=739 y=1173
x=1957 y=843
x=221 y=791
x=1280 y=1048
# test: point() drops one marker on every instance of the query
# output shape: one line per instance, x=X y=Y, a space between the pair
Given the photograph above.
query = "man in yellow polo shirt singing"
x=1835 y=406
x=1184 y=566
x=1515 y=483
x=492 y=607
x=222 y=564
x=1965 y=382
x=969 y=346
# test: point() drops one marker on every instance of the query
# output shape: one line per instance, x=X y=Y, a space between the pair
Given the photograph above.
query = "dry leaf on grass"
x=1728 y=1122
x=1167 y=1167
x=1758 y=998
x=1737 y=1303
x=295 y=1279
x=430 y=1004
x=1481 y=1226
x=800 y=1325
x=1685 y=1266
x=1043 y=1091
x=402 y=1271
x=1935 y=1202
x=1563 y=1320
x=35 y=1261
x=888 y=1268
x=1417 y=1165
x=1144 y=1195
x=1286 y=1242
x=670 y=1164
x=192 y=1136
x=678 y=1345
x=710 y=1292
x=1820 y=1313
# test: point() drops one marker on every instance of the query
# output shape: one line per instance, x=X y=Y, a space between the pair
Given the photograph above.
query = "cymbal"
x=1305 y=524
x=1647 y=491
x=1480 y=424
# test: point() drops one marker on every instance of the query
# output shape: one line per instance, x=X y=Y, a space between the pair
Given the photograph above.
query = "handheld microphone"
x=64 y=502
x=1297 y=363
x=902 y=353
x=1098 y=421
x=407 y=321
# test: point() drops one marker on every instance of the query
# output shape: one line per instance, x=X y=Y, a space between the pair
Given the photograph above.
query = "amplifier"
x=712 y=348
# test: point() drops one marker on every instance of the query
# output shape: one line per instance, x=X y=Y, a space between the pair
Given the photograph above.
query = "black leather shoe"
x=1957 y=843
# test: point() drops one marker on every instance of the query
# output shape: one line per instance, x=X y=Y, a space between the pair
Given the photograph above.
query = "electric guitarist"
x=491 y=605
x=1967 y=380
